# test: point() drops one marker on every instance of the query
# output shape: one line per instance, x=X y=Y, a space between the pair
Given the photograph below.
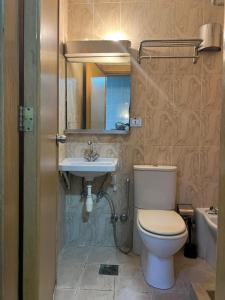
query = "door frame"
x=39 y=41
x=220 y=270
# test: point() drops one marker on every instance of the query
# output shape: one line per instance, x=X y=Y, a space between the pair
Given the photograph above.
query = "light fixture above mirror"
x=110 y=50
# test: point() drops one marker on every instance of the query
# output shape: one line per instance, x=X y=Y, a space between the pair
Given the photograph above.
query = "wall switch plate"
x=135 y=122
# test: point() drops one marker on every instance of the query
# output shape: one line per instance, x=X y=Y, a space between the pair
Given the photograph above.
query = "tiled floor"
x=78 y=277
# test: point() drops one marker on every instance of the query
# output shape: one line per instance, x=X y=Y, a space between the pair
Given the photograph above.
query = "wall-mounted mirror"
x=98 y=94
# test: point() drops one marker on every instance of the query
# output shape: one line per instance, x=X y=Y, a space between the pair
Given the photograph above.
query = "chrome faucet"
x=213 y=210
x=90 y=154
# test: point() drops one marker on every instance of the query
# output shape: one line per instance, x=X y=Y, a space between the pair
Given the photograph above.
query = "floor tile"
x=69 y=275
x=127 y=294
x=121 y=258
x=171 y=296
x=180 y=286
x=197 y=271
x=129 y=268
x=91 y=280
x=94 y=295
x=64 y=294
x=75 y=254
x=101 y=255
x=134 y=283
x=110 y=255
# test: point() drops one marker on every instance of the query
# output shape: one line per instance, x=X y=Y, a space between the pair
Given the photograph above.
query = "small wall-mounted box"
x=135 y=122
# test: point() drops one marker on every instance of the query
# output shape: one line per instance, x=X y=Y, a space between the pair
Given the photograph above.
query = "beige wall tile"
x=188 y=17
x=187 y=161
x=210 y=193
x=160 y=127
x=188 y=127
x=189 y=182
x=80 y=1
x=163 y=26
x=154 y=67
x=212 y=62
x=189 y=192
x=185 y=66
x=159 y=92
x=106 y=1
x=211 y=92
x=157 y=155
x=209 y=164
x=212 y=13
x=187 y=92
x=140 y=19
x=80 y=24
x=138 y=93
x=106 y=19
x=135 y=20
x=210 y=128
x=126 y=159
x=138 y=154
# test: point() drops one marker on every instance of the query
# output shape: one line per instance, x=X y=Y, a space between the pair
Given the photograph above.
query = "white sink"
x=89 y=169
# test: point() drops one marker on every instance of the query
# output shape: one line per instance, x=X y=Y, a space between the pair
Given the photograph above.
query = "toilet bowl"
x=159 y=232
x=162 y=233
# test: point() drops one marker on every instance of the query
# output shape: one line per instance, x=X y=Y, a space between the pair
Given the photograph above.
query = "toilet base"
x=158 y=272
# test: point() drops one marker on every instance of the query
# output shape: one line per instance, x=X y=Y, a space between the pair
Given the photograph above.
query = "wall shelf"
x=146 y=45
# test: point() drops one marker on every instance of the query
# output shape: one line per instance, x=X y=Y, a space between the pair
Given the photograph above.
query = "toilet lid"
x=161 y=222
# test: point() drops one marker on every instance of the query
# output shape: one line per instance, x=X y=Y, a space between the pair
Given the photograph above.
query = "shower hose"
x=114 y=218
x=105 y=195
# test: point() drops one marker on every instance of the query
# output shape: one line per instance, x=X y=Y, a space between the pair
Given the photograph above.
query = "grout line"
x=97 y=290
x=114 y=289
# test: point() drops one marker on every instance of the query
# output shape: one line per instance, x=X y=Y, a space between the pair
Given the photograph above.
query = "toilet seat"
x=161 y=222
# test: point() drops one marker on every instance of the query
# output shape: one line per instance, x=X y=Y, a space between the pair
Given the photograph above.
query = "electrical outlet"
x=135 y=122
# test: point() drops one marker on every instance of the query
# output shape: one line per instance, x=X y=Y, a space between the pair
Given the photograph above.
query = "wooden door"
x=40 y=149
x=9 y=149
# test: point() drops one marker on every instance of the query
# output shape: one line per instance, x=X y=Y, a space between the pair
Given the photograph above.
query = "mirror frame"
x=75 y=52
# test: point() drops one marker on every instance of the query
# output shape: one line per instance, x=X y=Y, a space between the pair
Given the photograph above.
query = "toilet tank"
x=155 y=187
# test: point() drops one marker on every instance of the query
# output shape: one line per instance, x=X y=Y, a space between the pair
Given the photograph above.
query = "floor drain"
x=108 y=269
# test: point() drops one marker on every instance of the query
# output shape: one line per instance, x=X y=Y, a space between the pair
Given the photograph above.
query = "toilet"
x=159 y=232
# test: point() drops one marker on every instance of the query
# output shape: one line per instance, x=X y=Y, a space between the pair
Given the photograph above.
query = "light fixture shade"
x=96 y=48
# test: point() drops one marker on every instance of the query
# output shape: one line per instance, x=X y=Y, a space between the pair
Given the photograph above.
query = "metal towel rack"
x=178 y=43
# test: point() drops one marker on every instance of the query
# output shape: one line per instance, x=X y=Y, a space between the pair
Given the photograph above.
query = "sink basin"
x=89 y=169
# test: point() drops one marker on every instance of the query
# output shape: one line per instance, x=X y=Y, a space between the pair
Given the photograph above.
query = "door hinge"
x=26 y=118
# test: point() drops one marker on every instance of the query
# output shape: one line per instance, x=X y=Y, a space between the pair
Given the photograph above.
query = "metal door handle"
x=61 y=138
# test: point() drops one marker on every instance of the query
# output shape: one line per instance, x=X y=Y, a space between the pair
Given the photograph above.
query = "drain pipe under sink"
x=89 y=200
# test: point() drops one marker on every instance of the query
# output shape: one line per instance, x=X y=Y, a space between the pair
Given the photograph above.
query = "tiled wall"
x=178 y=101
